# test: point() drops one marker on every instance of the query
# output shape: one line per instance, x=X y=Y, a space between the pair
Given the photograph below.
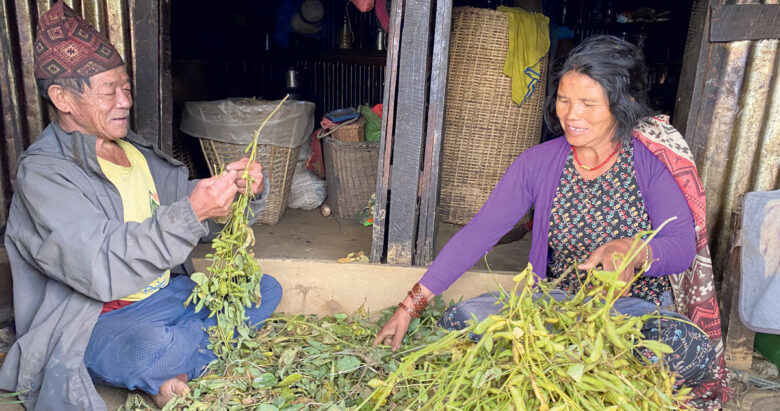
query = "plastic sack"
x=363 y=5
x=760 y=262
x=372 y=130
x=235 y=121
x=308 y=191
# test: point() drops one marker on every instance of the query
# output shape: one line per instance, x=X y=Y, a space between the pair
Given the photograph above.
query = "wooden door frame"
x=153 y=108
x=408 y=177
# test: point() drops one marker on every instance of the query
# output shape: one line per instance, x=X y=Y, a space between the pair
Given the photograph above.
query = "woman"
x=593 y=190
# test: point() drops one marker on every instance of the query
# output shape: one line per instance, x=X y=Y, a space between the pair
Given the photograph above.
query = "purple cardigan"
x=532 y=180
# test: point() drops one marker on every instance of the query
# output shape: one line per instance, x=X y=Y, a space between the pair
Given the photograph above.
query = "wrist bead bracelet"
x=411 y=312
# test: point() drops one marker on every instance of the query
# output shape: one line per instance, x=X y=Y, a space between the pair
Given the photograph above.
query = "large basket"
x=351 y=175
x=485 y=130
x=278 y=167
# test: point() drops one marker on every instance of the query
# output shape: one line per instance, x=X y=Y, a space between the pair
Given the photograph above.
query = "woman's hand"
x=255 y=171
x=393 y=332
x=611 y=255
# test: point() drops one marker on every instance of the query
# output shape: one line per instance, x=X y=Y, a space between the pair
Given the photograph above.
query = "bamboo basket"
x=484 y=129
x=180 y=152
x=351 y=175
x=352 y=132
x=278 y=167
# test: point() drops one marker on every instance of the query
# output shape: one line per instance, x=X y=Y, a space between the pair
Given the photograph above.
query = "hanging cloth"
x=529 y=41
x=694 y=289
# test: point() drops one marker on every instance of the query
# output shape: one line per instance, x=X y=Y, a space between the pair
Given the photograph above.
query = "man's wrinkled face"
x=103 y=108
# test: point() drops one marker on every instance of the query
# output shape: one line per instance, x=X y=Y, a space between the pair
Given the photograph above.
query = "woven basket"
x=352 y=132
x=485 y=130
x=351 y=175
x=278 y=167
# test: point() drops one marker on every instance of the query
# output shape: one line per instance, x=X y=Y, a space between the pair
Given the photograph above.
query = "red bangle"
x=411 y=312
x=418 y=298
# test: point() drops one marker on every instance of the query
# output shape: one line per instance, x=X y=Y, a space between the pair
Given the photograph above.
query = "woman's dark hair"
x=619 y=67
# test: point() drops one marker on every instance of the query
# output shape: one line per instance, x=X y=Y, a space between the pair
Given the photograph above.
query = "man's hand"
x=255 y=171
x=212 y=197
x=611 y=255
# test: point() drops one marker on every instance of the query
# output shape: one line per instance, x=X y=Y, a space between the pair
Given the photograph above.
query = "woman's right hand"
x=393 y=332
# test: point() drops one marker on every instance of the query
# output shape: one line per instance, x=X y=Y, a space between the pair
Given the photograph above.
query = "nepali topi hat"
x=66 y=46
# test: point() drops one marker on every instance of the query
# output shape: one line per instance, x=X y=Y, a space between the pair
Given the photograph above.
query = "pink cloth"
x=381 y=14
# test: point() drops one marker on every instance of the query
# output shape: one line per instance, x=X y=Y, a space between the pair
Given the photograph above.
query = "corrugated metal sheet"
x=24 y=113
x=735 y=132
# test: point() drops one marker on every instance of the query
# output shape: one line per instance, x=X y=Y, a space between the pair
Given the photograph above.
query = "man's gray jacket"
x=70 y=250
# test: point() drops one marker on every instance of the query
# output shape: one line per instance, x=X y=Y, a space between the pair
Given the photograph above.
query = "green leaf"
x=266 y=407
x=340 y=317
x=608 y=277
x=575 y=371
x=288 y=356
x=290 y=379
x=488 y=343
x=266 y=380
x=198 y=278
x=347 y=363
x=657 y=347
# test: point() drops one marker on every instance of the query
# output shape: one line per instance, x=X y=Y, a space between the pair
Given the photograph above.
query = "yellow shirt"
x=139 y=200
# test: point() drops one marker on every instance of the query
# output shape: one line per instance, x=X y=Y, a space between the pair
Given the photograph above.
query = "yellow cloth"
x=529 y=41
x=139 y=200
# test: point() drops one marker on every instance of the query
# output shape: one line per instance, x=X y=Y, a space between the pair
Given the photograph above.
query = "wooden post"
x=386 y=144
x=151 y=76
x=409 y=132
x=166 y=83
x=694 y=52
x=431 y=179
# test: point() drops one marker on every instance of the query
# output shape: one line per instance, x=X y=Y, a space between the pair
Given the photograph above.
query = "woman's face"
x=583 y=110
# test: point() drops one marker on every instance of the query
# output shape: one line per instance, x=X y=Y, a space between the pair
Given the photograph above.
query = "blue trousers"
x=693 y=351
x=143 y=344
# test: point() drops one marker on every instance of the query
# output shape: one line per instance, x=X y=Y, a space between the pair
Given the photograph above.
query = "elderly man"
x=100 y=224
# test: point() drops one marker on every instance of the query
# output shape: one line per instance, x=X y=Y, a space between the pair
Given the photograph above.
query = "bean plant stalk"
x=232 y=282
x=540 y=353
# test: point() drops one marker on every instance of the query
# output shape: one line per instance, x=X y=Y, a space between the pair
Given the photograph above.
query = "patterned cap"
x=66 y=46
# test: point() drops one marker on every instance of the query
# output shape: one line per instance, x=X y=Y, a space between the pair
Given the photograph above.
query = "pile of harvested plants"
x=305 y=363
x=537 y=353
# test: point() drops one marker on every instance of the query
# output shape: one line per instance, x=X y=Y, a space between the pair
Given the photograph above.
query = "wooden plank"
x=703 y=98
x=386 y=142
x=431 y=180
x=691 y=58
x=33 y=110
x=737 y=22
x=13 y=127
x=166 y=85
x=145 y=33
x=410 y=132
x=739 y=340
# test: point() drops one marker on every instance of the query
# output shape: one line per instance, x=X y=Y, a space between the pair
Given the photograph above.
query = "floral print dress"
x=588 y=214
